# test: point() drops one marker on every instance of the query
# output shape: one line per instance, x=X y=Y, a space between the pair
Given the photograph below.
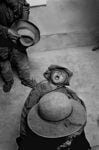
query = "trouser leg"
x=21 y=63
x=7 y=75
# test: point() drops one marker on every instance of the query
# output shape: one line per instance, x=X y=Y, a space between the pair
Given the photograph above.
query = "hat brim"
x=66 y=127
x=24 y=24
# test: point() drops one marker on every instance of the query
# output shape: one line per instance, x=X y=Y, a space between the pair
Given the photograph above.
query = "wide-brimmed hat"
x=29 y=32
x=56 y=116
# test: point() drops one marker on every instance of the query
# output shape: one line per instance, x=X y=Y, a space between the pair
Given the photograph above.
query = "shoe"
x=30 y=83
x=95 y=48
x=7 y=87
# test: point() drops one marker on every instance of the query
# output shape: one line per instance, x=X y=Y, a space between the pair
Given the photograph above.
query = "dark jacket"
x=11 y=10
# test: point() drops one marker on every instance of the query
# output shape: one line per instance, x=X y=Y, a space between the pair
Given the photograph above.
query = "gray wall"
x=66 y=16
x=76 y=18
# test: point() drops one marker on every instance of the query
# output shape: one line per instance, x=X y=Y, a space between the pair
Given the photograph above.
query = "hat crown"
x=27 y=36
x=54 y=106
x=29 y=32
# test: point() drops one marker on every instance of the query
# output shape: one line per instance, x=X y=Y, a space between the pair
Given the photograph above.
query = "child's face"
x=59 y=76
x=56 y=76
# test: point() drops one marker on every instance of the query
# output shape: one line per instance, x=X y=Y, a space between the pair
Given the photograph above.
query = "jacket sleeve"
x=12 y=3
x=20 y=7
x=4 y=31
x=25 y=9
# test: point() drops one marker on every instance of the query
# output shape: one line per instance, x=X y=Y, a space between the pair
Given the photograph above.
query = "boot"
x=7 y=86
x=95 y=48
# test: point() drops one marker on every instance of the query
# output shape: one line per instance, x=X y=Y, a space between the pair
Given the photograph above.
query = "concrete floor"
x=55 y=50
x=84 y=64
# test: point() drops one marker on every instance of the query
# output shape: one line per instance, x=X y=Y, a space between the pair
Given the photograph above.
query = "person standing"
x=10 y=53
